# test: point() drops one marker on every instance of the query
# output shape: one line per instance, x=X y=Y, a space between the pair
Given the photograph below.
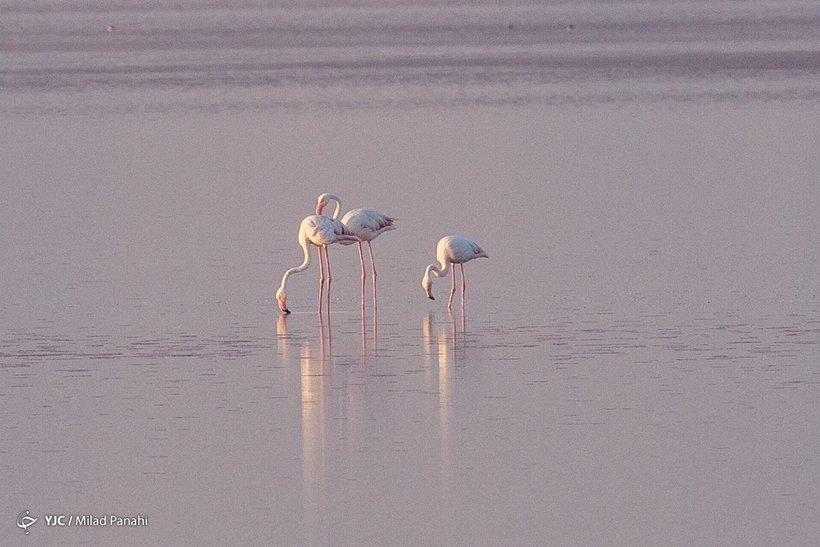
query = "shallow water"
x=634 y=364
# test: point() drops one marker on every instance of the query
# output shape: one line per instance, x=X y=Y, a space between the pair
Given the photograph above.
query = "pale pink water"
x=636 y=363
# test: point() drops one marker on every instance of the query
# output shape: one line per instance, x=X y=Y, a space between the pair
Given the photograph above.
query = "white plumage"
x=365 y=223
x=320 y=231
x=451 y=250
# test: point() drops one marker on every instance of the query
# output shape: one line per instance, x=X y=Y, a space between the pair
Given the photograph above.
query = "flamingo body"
x=365 y=223
x=323 y=231
x=320 y=231
x=451 y=250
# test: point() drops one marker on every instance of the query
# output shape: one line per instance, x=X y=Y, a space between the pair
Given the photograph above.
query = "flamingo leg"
x=321 y=266
x=321 y=278
x=463 y=284
x=361 y=261
x=363 y=299
x=452 y=289
x=372 y=263
x=364 y=274
x=373 y=268
x=327 y=260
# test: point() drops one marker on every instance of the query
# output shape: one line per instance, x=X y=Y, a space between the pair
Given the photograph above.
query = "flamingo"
x=320 y=231
x=367 y=224
x=451 y=250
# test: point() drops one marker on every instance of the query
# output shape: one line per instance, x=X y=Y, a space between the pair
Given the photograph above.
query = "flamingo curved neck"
x=440 y=272
x=338 y=211
x=297 y=269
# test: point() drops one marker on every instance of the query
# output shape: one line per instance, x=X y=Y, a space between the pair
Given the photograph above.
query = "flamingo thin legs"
x=463 y=284
x=364 y=271
x=372 y=264
x=322 y=278
x=453 y=287
x=373 y=269
x=361 y=261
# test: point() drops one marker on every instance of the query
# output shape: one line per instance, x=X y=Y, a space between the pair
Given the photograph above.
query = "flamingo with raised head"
x=451 y=250
x=365 y=223
x=320 y=231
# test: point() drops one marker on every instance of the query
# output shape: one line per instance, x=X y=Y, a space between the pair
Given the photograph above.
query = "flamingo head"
x=326 y=198
x=428 y=288
x=427 y=281
x=320 y=203
x=280 y=297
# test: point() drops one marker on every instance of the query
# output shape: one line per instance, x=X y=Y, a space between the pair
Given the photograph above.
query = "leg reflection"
x=314 y=424
x=375 y=329
x=439 y=360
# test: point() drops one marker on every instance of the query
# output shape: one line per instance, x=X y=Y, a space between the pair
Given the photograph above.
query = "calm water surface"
x=635 y=364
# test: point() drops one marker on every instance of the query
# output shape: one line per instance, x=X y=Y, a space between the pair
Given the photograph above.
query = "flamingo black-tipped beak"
x=286 y=311
x=431 y=297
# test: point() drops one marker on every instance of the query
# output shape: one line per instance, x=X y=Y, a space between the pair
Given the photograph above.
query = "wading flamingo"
x=451 y=250
x=320 y=231
x=367 y=224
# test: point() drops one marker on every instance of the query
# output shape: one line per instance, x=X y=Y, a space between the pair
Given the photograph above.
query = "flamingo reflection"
x=314 y=424
x=314 y=359
x=365 y=357
x=332 y=413
x=440 y=360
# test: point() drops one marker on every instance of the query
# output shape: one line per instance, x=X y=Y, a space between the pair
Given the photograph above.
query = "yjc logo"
x=24 y=520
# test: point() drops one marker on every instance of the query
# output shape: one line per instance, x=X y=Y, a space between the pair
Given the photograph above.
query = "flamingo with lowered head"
x=451 y=250
x=320 y=231
x=367 y=224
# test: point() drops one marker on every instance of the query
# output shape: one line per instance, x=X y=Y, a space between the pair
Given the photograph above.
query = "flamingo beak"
x=282 y=305
x=429 y=290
